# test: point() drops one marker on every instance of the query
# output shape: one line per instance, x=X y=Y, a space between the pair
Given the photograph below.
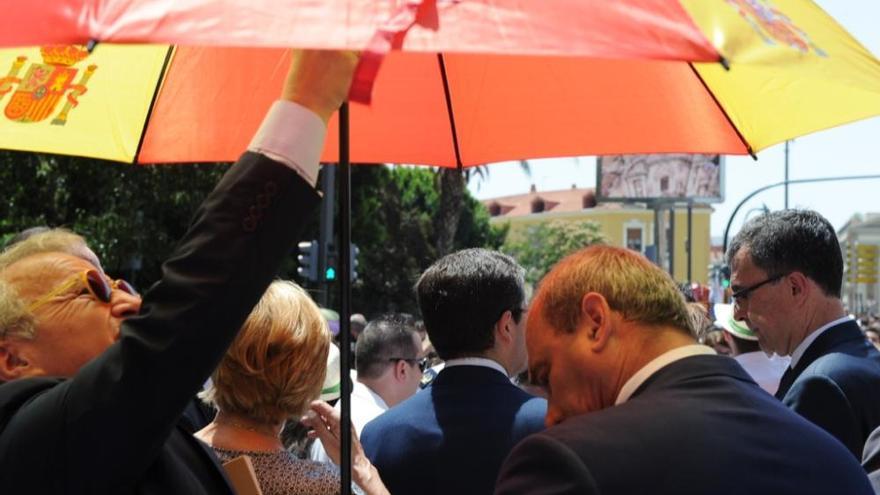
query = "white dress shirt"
x=299 y=150
x=365 y=406
x=655 y=365
x=477 y=361
x=766 y=371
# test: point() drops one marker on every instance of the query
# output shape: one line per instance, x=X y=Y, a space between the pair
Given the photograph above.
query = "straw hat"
x=332 y=384
x=724 y=319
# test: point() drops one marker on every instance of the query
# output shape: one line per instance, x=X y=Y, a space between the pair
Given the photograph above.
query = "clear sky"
x=852 y=149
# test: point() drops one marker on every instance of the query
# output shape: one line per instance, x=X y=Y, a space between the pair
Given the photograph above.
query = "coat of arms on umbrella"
x=774 y=26
x=45 y=84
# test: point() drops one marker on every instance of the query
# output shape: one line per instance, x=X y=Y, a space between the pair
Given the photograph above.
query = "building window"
x=589 y=200
x=664 y=184
x=634 y=239
x=538 y=205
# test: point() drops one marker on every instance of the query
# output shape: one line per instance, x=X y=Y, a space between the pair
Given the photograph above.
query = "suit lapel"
x=785 y=382
x=831 y=339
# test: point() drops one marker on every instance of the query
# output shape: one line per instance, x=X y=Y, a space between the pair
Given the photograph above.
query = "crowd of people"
x=601 y=383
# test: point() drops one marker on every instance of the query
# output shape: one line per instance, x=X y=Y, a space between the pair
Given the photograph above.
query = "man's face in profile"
x=72 y=327
x=563 y=364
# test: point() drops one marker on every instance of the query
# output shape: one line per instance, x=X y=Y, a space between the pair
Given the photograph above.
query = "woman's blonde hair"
x=276 y=365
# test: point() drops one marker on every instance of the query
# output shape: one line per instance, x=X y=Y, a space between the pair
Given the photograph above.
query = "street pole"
x=786 y=175
x=689 y=245
x=785 y=183
x=325 y=230
x=658 y=234
x=670 y=241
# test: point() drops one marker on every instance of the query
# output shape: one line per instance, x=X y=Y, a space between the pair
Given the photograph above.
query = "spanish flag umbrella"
x=451 y=83
x=469 y=82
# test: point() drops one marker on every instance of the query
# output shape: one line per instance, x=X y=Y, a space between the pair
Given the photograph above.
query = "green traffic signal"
x=330 y=274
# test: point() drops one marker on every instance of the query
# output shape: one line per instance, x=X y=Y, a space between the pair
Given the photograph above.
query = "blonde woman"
x=272 y=371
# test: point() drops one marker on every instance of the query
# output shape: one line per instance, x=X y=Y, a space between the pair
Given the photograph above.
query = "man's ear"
x=595 y=320
x=504 y=327
x=12 y=364
x=799 y=284
x=400 y=370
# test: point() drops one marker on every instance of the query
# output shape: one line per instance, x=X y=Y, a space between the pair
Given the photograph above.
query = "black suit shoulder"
x=680 y=434
x=837 y=384
x=120 y=410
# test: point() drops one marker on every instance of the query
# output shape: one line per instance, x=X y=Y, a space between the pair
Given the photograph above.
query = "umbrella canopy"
x=790 y=73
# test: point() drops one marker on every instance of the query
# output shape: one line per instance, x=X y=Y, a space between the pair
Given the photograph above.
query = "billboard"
x=666 y=177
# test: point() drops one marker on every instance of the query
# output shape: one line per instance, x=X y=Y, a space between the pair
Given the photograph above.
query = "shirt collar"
x=477 y=361
x=799 y=351
x=655 y=365
x=362 y=390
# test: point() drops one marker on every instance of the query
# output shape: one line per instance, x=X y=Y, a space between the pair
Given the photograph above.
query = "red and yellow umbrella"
x=627 y=77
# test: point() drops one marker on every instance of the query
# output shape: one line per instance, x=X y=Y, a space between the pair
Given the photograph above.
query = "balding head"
x=71 y=326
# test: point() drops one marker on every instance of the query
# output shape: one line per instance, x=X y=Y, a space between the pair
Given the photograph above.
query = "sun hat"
x=724 y=319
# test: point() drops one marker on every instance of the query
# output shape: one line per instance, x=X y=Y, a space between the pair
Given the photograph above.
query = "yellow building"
x=625 y=225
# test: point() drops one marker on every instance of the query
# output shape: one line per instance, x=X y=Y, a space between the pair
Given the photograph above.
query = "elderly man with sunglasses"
x=94 y=379
x=787 y=275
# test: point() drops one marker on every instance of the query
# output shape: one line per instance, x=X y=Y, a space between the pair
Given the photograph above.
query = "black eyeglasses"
x=742 y=295
x=421 y=362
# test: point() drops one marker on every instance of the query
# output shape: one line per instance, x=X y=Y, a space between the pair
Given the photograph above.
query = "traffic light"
x=332 y=264
x=308 y=260
x=354 y=261
x=725 y=276
x=330 y=271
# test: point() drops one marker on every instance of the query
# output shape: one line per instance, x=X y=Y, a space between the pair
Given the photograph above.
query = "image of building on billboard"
x=669 y=177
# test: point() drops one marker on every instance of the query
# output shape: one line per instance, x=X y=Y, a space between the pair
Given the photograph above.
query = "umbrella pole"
x=345 y=309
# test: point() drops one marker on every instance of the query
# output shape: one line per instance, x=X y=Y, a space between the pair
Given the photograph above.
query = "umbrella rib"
x=449 y=111
x=165 y=64
x=723 y=112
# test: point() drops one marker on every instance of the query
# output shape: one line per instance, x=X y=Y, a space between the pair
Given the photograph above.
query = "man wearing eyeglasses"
x=95 y=379
x=452 y=436
x=389 y=370
x=636 y=406
x=786 y=281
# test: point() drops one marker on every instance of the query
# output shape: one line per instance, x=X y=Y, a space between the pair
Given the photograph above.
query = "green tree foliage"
x=543 y=244
x=394 y=218
x=133 y=216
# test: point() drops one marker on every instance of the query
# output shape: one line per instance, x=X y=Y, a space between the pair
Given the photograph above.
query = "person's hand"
x=324 y=422
x=320 y=79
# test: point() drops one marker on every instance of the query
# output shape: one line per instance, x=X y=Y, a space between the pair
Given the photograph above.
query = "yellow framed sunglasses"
x=93 y=280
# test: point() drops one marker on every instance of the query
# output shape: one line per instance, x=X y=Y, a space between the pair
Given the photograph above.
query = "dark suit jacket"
x=699 y=425
x=451 y=437
x=111 y=429
x=836 y=385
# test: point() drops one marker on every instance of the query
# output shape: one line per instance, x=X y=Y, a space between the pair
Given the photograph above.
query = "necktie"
x=785 y=383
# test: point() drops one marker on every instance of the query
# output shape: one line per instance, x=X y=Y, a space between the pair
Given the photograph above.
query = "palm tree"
x=451 y=184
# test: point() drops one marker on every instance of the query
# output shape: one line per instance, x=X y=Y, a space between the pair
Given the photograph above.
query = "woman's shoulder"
x=282 y=473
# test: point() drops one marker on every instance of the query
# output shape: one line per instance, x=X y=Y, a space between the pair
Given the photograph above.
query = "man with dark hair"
x=787 y=274
x=452 y=436
x=636 y=406
x=389 y=370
